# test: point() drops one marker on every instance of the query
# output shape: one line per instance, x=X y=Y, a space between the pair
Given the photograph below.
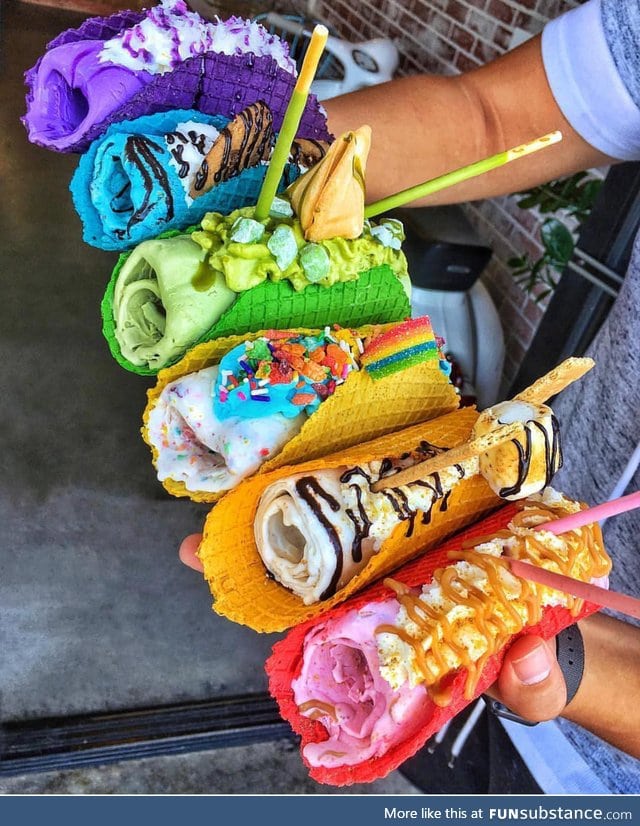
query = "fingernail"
x=534 y=667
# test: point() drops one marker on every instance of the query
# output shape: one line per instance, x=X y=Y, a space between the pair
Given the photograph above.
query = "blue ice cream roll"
x=166 y=171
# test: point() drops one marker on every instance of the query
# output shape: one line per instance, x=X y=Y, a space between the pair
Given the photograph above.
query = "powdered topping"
x=284 y=373
x=170 y=33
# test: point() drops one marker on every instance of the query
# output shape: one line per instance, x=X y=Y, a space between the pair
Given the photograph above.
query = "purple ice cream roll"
x=73 y=90
x=128 y=65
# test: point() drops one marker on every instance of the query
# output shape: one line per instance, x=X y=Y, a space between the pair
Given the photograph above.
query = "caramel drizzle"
x=494 y=616
x=320 y=710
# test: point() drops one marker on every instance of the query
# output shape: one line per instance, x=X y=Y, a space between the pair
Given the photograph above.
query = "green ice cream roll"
x=164 y=292
x=235 y=275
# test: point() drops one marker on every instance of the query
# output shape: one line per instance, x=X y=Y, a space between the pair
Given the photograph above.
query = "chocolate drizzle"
x=310 y=490
x=307 y=152
x=139 y=152
x=356 y=471
x=552 y=455
x=244 y=142
x=361 y=524
x=361 y=521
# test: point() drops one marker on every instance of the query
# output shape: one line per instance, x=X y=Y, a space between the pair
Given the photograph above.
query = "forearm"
x=608 y=700
x=426 y=125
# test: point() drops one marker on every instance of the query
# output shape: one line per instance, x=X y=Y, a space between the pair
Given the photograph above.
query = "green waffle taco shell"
x=377 y=296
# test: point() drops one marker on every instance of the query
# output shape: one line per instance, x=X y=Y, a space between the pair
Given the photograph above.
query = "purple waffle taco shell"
x=213 y=83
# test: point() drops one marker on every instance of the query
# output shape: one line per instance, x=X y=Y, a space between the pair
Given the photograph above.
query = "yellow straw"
x=291 y=122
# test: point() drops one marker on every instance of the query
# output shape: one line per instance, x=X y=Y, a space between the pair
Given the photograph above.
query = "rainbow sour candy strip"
x=411 y=342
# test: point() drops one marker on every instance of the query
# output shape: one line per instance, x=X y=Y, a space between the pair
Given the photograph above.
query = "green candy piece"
x=280 y=208
x=282 y=245
x=246 y=231
x=315 y=262
x=389 y=233
x=258 y=351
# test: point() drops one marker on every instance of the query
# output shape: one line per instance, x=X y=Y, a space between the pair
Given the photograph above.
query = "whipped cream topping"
x=188 y=145
x=462 y=632
x=365 y=674
x=170 y=33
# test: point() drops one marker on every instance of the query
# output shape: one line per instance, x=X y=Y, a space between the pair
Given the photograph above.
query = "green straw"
x=406 y=196
x=291 y=122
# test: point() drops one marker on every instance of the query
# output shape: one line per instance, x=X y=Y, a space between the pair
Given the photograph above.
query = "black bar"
x=56 y=743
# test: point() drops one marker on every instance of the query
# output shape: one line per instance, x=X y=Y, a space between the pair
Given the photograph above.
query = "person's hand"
x=531 y=683
x=187 y=551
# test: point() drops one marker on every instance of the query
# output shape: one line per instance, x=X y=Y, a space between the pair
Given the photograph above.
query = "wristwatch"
x=570 y=655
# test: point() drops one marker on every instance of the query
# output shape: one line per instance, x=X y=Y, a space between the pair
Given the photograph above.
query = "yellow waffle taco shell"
x=360 y=409
x=237 y=578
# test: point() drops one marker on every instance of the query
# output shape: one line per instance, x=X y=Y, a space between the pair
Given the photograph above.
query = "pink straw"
x=623 y=603
x=595 y=514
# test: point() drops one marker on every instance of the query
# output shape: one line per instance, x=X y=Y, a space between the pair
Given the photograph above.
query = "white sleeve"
x=586 y=84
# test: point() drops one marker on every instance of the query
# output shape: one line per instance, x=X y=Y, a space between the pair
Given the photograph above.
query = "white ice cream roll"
x=310 y=536
x=525 y=465
x=206 y=453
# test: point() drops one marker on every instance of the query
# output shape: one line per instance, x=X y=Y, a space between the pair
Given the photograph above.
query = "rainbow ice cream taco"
x=166 y=171
x=368 y=683
x=237 y=405
x=324 y=528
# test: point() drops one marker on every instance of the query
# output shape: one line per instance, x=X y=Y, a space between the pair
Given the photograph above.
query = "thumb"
x=531 y=682
x=188 y=552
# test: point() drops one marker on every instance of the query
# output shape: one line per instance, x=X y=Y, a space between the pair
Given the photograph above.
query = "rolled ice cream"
x=210 y=429
x=129 y=65
x=303 y=388
x=241 y=586
x=171 y=293
x=136 y=181
x=368 y=683
x=196 y=447
x=316 y=531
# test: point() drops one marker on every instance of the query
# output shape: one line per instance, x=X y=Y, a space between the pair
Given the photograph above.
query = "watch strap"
x=570 y=655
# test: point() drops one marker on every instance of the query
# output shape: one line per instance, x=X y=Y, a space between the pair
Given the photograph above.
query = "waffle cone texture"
x=237 y=578
x=375 y=297
x=285 y=663
x=213 y=83
x=360 y=409
x=241 y=190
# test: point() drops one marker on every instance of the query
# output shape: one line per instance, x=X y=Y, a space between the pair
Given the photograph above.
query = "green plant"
x=573 y=197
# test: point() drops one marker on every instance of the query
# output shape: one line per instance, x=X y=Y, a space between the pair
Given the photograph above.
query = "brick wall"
x=447 y=37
